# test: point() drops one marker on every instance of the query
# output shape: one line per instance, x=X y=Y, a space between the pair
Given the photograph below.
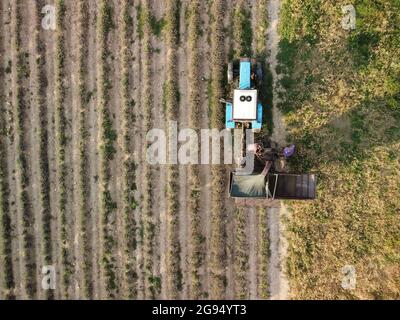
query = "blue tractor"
x=245 y=111
x=267 y=181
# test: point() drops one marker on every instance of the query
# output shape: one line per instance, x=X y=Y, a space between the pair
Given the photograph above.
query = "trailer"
x=273 y=186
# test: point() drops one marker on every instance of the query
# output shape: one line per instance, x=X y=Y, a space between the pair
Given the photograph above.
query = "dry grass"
x=263 y=251
x=241 y=262
x=263 y=254
x=261 y=28
x=174 y=272
x=242 y=33
x=344 y=118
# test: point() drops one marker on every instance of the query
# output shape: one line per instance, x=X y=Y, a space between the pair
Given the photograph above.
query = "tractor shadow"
x=321 y=133
x=352 y=136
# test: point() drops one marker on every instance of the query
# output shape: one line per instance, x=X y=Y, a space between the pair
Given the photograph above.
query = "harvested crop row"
x=263 y=233
x=129 y=167
x=22 y=73
x=218 y=252
x=107 y=151
x=7 y=281
x=261 y=28
x=242 y=33
x=196 y=247
x=61 y=144
x=241 y=263
x=93 y=133
x=83 y=183
x=39 y=96
x=147 y=104
x=174 y=272
x=263 y=253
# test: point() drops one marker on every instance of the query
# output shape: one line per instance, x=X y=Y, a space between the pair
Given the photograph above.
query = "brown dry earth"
x=31 y=123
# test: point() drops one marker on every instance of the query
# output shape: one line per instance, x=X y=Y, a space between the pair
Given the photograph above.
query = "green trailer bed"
x=273 y=186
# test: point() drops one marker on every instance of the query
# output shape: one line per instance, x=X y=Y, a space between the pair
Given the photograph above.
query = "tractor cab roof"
x=244 y=105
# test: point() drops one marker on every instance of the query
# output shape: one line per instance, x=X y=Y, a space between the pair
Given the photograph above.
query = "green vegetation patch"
x=156 y=25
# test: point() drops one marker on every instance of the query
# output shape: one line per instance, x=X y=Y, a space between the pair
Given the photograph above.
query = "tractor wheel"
x=230 y=72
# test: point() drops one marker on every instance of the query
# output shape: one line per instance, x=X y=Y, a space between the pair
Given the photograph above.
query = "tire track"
x=116 y=170
x=257 y=221
x=81 y=286
x=72 y=115
x=183 y=121
x=218 y=261
x=159 y=171
x=34 y=142
x=229 y=207
x=204 y=122
x=278 y=282
x=258 y=257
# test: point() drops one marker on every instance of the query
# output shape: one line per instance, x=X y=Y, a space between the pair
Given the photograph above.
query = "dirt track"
x=278 y=245
x=87 y=244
